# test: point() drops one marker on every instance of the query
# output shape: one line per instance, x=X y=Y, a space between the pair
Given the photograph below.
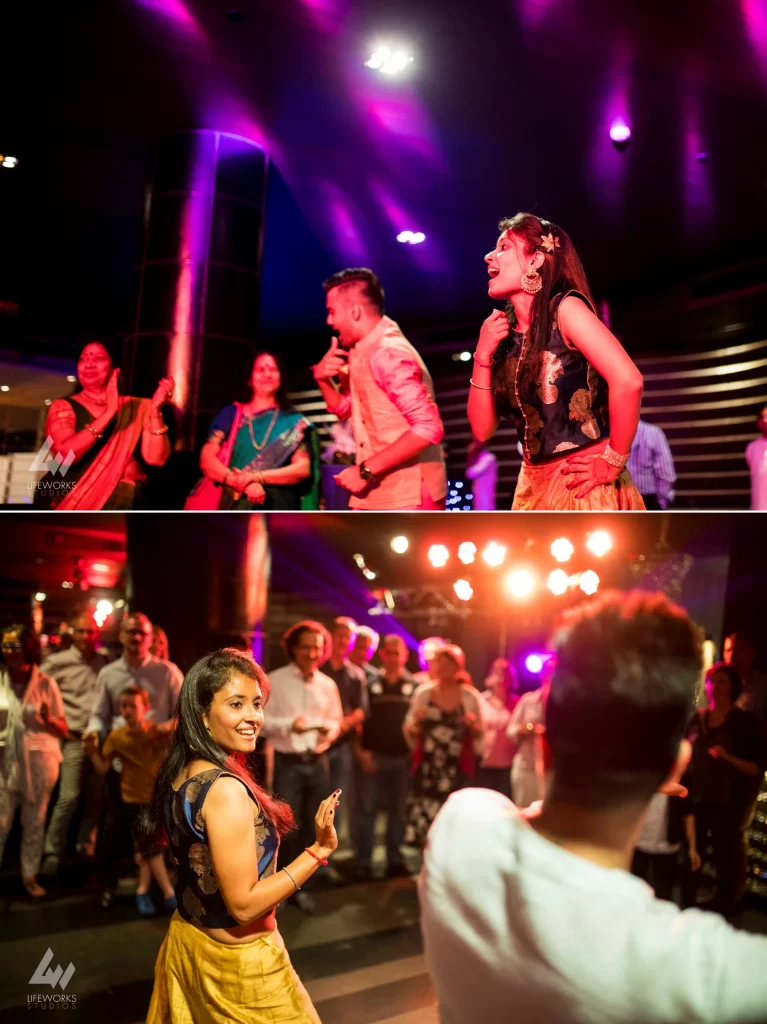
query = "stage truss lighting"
x=411 y=237
x=399 y=545
x=589 y=582
x=599 y=543
x=562 y=550
x=467 y=552
x=494 y=554
x=520 y=583
x=463 y=590
x=438 y=555
x=557 y=582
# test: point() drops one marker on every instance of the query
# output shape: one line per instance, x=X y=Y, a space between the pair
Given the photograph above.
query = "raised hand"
x=324 y=824
x=113 y=398
x=332 y=363
x=491 y=334
x=163 y=392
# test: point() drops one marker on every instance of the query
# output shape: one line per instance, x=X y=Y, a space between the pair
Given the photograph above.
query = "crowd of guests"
x=388 y=740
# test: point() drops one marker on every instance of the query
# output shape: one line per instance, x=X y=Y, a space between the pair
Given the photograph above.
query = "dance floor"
x=361 y=957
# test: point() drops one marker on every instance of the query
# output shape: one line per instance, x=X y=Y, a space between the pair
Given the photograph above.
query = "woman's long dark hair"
x=562 y=271
x=192 y=741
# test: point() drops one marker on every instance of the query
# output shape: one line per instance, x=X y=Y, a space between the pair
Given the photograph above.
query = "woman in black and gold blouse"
x=549 y=364
x=223 y=960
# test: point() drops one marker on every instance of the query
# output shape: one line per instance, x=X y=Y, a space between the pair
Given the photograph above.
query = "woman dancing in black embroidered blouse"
x=549 y=364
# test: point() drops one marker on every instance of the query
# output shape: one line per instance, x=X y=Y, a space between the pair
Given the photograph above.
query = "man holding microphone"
x=384 y=386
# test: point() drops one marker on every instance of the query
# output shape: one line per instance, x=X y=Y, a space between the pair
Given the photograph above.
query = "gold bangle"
x=479 y=386
x=95 y=433
x=163 y=430
x=614 y=459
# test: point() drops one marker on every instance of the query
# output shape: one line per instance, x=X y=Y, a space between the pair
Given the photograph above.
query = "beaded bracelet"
x=615 y=459
x=318 y=859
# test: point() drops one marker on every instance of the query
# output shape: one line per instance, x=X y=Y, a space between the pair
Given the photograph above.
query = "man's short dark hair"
x=372 y=292
x=292 y=638
x=627 y=670
x=136 y=691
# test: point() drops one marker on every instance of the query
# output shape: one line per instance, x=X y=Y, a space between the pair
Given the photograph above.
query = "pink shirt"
x=499 y=750
x=391 y=393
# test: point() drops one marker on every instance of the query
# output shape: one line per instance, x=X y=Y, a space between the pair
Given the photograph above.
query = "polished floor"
x=361 y=957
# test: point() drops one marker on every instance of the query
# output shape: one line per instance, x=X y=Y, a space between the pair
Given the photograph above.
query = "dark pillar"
x=203 y=578
x=197 y=287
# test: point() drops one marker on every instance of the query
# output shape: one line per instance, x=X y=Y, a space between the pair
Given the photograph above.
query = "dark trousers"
x=658 y=870
x=728 y=847
x=385 y=789
x=498 y=779
x=111 y=836
x=341 y=762
x=303 y=787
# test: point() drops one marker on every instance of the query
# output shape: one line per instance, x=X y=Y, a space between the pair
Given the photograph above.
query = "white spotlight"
x=40 y=596
x=399 y=545
x=463 y=590
x=388 y=61
x=562 y=549
x=467 y=552
x=589 y=582
x=599 y=543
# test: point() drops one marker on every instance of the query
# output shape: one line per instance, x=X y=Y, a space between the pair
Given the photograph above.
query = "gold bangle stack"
x=616 y=460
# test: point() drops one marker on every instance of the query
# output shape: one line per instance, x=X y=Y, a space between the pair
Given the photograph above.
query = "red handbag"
x=206 y=495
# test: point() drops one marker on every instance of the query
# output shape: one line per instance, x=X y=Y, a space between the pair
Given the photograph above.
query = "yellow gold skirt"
x=200 y=981
x=544 y=488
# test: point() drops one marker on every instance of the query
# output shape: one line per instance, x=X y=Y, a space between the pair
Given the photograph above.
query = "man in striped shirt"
x=652 y=467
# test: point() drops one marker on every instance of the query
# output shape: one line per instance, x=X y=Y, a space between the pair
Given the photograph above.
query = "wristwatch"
x=368 y=475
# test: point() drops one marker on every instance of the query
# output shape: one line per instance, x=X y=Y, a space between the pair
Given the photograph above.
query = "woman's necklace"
x=260 y=447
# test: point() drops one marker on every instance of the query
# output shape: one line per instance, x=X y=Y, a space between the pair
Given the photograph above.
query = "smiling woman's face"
x=506 y=264
x=236 y=714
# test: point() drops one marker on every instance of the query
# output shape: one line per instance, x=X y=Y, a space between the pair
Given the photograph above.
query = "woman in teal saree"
x=275 y=459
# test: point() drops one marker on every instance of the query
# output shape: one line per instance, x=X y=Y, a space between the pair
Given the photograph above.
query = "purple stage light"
x=620 y=132
x=534 y=663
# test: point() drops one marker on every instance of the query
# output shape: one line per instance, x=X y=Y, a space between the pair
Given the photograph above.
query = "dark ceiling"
x=507 y=106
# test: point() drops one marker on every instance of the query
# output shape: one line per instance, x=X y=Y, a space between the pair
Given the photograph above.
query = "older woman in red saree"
x=108 y=439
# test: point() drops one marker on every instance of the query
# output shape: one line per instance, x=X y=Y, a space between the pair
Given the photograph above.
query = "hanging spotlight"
x=399 y=545
x=534 y=663
x=599 y=543
x=40 y=596
x=463 y=590
x=589 y=582
x=520 y=583
x=557 y=582
x=388 y=61
x=562 y=549
x=494 y=554
x=438 y=555
x=467 y=552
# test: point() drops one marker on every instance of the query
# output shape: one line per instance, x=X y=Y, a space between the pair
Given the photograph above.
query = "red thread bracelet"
x=318 y=859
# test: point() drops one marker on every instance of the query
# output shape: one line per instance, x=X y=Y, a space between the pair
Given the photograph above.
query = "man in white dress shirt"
x=533 y=915
x=303 y=717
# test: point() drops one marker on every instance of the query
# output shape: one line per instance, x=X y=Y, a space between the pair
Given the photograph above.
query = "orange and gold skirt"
x=544 y=488
x=200 y=981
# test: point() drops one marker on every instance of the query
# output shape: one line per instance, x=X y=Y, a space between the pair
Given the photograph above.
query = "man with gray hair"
x=362 y=650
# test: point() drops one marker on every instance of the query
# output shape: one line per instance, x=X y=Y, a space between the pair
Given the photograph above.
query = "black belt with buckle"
x=307 y=758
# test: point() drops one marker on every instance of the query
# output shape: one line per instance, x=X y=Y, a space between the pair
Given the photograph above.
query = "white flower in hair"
x=549 y=242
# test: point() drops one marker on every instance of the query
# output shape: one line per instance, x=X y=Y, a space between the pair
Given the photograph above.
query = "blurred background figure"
x=75 y=670
x=384 y=761
x=427 y=653
x=160 y=647
x=651 y=465
x=499 y=698
x=362 y=650
x=756 y=457
x=443 y=728
x=723 y=784
x=482 y=470
x=738 y=651
x=527 y=729
x=31 y=724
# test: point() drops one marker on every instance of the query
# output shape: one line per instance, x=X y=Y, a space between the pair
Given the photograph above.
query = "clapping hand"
x=163 y=393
